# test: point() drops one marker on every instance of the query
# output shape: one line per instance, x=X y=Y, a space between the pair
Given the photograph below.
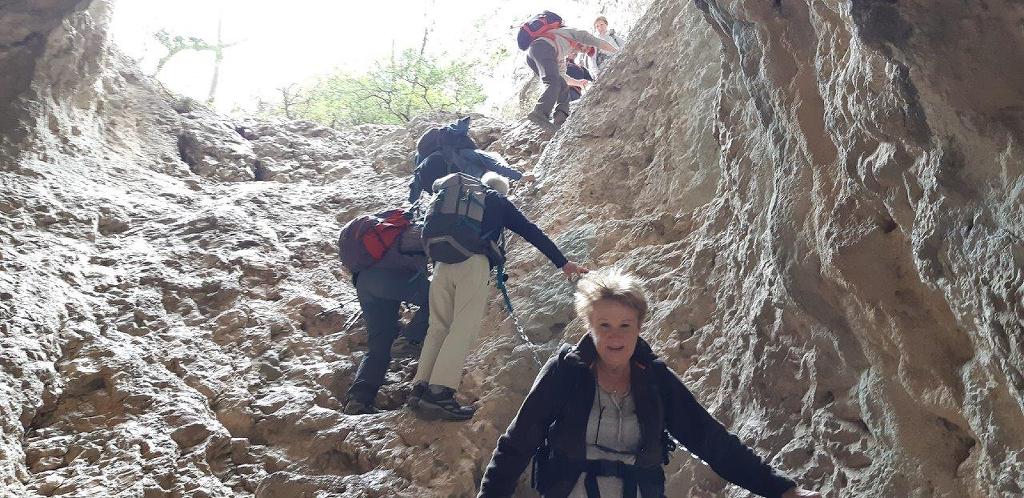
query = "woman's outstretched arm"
x=525 y=433
x=705 y=437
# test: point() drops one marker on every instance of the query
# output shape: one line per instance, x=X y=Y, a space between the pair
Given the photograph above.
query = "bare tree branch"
x=175 y=44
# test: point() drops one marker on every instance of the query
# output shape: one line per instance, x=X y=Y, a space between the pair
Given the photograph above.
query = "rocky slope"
x=830 y=213
x=825 y=197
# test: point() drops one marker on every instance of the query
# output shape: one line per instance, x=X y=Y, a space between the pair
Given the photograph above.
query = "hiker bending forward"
x=399 y=276
x=459 y=291
x=546 y=56
x=598 y=412
x=449 y=149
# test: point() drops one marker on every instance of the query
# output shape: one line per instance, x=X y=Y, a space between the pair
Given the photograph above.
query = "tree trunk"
x=288 y=100
x=419 y=62
x=218 y=57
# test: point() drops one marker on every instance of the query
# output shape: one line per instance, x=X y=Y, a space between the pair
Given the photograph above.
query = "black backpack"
x=576 y=71
x=437 y=154
x=452 y=227
x=452 y=136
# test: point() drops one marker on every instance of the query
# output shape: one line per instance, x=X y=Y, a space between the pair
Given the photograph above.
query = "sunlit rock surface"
x=826 y=201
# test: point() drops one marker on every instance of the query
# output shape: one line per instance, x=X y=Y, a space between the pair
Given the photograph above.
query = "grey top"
x=562 y=41
x=611 y=37
x=612 y=425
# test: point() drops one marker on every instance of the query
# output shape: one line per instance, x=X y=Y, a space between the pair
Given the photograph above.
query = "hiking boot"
x=438 y=402
x=406 y=348
x=540 y=120
x=417 y=393
x=560 y=118
x=356 y=407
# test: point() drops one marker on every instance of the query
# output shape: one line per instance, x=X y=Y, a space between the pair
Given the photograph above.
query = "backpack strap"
x=454 y=162
x=668 y=443
x=449 y=159
x=417 y=178
x=631 y=476
x=618 y=41
x=500 y=277
x=541 y=455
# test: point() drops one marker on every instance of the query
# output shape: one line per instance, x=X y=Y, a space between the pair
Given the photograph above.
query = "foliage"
x=176 y=44
x=394 y=91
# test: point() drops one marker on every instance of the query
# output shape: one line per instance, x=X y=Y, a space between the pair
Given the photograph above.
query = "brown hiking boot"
x=540 y=120
x=438 y=402
x=356 y=407
x=560 y=117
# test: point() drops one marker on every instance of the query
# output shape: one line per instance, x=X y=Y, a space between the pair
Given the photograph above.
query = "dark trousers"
x=543 y=60
x=381 y=292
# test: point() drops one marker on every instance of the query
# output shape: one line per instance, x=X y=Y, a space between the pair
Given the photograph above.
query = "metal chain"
x=500 y=278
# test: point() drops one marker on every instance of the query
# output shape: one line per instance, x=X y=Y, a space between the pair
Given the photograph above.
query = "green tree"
x=394 y=91
x=176 y=44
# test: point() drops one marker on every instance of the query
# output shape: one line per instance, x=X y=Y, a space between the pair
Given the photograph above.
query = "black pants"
x=381 y=292
x=543 y=60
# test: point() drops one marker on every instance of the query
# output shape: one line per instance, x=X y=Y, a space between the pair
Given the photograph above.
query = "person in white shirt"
x=600 y=56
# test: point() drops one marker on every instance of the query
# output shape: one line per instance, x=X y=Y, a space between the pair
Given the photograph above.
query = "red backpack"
x=537 y=27
x=365 y=240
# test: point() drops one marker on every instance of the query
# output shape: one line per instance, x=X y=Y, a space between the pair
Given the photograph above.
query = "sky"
x=279 y=43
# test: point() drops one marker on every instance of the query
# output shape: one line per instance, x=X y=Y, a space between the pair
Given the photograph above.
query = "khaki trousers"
x=458 y=299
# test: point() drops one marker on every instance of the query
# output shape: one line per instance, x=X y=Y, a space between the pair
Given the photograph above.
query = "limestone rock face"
x=825 y=199
x=828 y=209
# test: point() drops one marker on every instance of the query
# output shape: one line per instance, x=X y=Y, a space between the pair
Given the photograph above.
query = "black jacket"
x=500 y=213
x=561 y=398
x=470 y=161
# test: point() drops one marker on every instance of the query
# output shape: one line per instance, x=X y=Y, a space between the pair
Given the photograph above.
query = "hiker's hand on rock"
x=801 y=493
x=571 y=270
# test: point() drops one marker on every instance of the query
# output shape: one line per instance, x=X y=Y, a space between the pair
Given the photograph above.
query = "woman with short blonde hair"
x=598 y=418
x=613 y=285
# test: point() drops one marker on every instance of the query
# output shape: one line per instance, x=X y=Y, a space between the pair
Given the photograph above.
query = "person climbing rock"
x=463 y=225
x=385 y=255
x=599 y=414
x=597 y=58
x=548 y=44
x=577 y=72
x=449 y=149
